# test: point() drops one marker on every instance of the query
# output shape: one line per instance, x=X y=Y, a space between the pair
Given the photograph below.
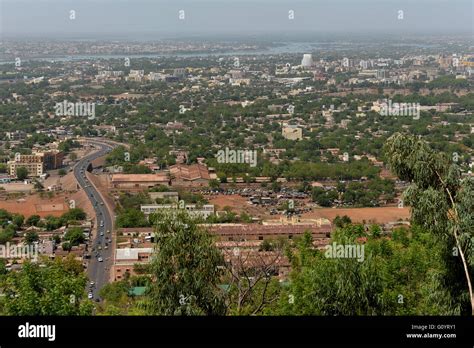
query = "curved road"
x=101 y=258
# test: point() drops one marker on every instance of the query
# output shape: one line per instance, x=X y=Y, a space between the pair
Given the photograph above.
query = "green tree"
x=21 y=173
x=333 y=286
x=55 y=289
x=442 y=202
x=18 y=220
x=131 y=218
x=74 y=215
x=214 y=184
x=74 y=236
x=186 y=269
x=7 y=234
x=52 y=223
x=397 y=276
x=33 y=220
x=5 y=216
x=3 y=268
x=341 y=221
x=31 y=237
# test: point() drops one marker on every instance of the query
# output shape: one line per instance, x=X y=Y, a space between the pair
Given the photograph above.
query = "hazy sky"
x=98 y=18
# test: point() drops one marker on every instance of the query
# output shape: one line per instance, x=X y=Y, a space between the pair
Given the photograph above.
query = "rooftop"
x=190 y=172
x=140 y=177
x=131 y=253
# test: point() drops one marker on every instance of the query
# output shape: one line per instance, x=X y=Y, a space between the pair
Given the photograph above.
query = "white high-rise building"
x=307 y=61
x=364 y=64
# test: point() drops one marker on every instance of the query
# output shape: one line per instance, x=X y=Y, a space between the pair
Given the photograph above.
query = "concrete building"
x=127 y=258
x=190 y=175
x=52 y=160
x=138 y=181
x=16 y=136
x=33 y=164
x=320 y=230
x=292 y=133
x=179 y=73
x=307 y=61
x=381 y=74
x=170 y=196
x=36 y=163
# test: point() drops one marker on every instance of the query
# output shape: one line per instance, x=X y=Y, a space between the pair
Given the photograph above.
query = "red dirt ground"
x=238 y=204
x=35 y=205
x=376 y=215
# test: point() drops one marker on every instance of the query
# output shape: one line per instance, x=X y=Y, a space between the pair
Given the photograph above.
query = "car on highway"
x=100 y=259
x=101 y=233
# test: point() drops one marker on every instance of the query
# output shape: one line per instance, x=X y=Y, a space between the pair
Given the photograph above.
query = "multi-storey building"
x=52 y=160
x=33 y=164
x=36 y=163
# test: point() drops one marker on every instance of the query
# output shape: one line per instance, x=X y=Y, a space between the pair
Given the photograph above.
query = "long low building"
x=194 y=175
x=248 y=232
x=138 y=181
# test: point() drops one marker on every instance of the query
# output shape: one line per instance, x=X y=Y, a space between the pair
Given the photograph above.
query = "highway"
x=101 y=250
